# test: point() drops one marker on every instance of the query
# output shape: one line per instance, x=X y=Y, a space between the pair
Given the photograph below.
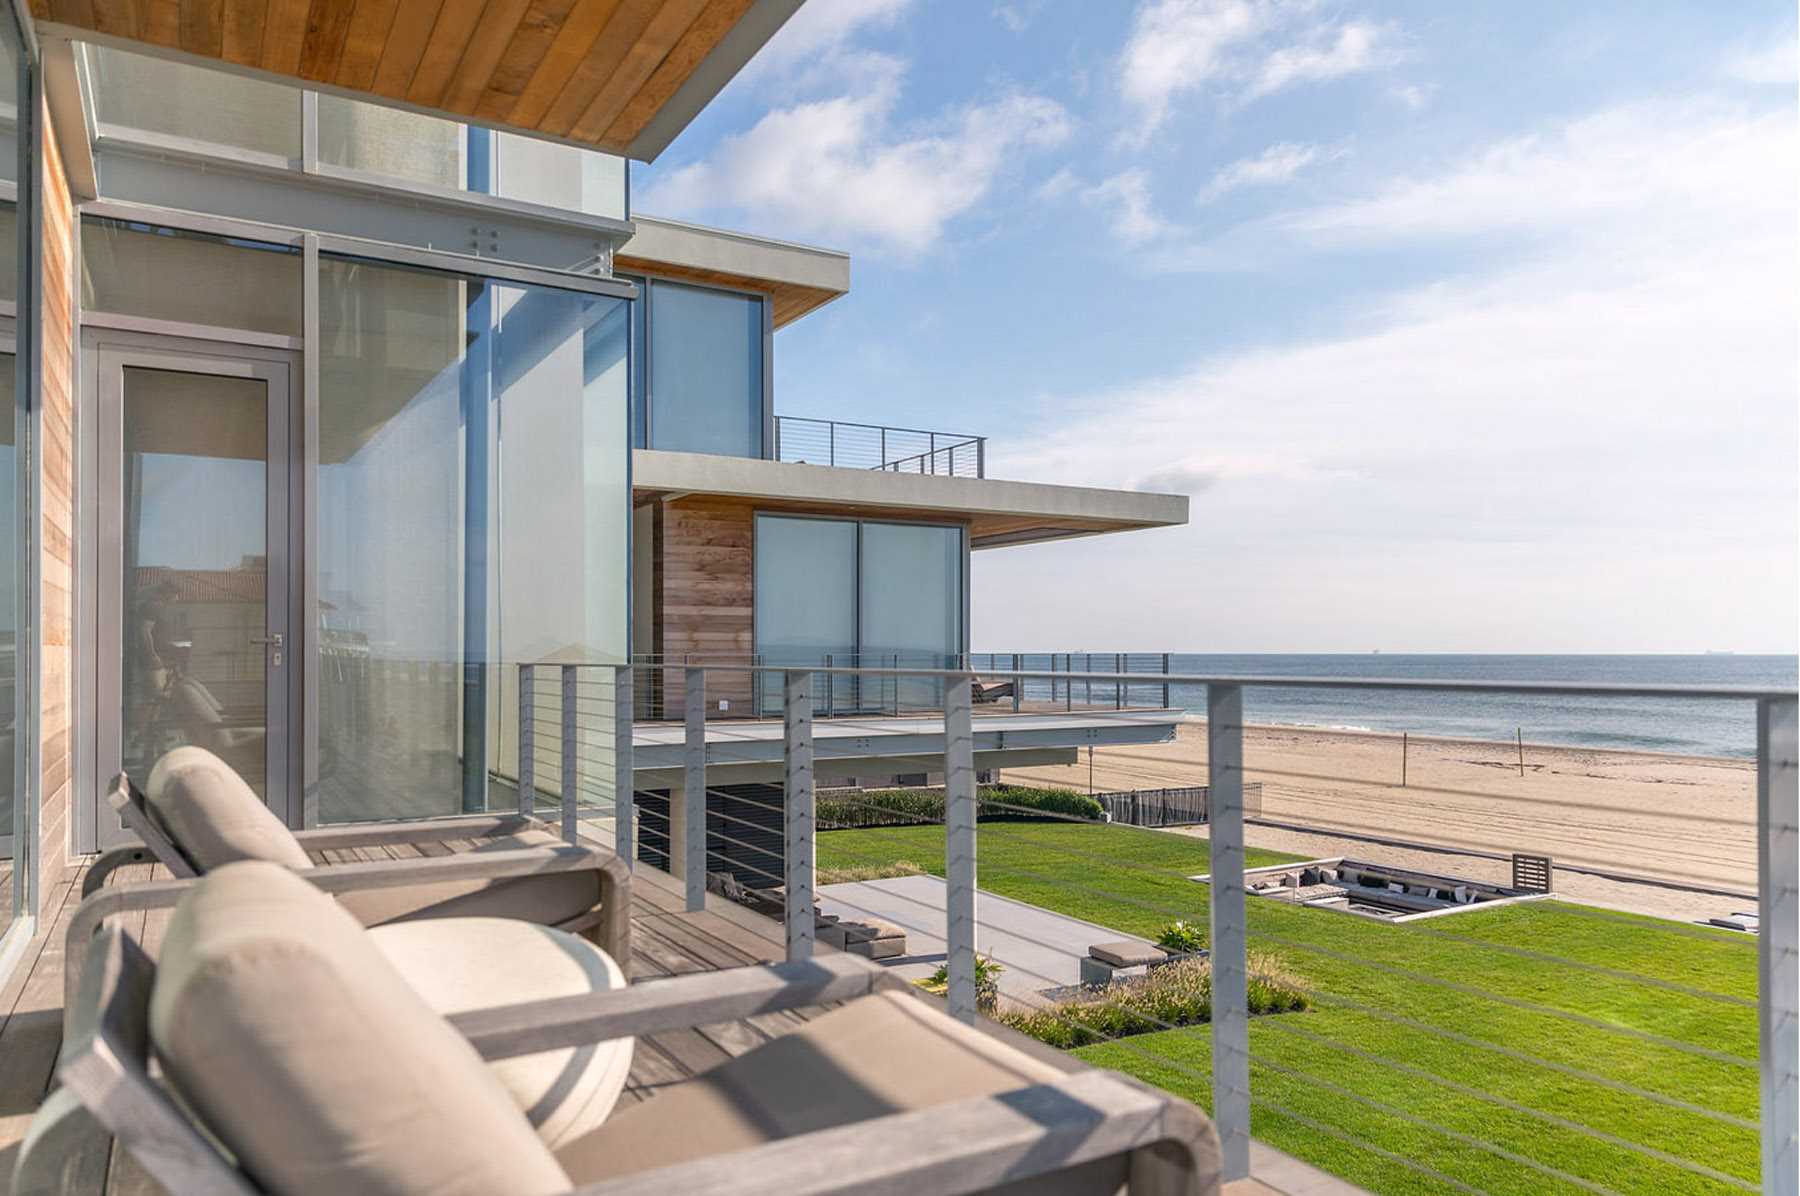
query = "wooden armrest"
x=369 y=834
x=677 y=1003
x=615 y=891
x=967 y=1146
x=110 y=861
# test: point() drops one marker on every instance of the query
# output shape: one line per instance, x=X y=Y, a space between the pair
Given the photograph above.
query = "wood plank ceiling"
x=595 y=72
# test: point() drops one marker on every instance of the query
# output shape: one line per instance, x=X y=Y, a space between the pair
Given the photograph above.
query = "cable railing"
x=1408 y=1025
x=875 y=446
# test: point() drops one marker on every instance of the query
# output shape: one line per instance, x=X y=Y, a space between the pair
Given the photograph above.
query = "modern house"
x=350 y=381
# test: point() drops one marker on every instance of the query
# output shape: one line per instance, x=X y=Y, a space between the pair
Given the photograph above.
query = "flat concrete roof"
x=751 y=750
x=798 y=278
x=999 y=513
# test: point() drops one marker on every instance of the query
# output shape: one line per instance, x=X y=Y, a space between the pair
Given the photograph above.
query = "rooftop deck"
x=667 y=940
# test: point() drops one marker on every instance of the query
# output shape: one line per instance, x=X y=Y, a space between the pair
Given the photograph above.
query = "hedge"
x=911 y=807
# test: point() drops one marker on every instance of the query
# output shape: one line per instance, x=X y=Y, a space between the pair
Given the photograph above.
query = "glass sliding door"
x=14 y=824
x=472 y=516
x=805 y=596
x=911 y=605
x=854 y=593
x=194 y=593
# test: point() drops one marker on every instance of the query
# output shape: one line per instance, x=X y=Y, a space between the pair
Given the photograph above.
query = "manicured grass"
x=1380 y=1029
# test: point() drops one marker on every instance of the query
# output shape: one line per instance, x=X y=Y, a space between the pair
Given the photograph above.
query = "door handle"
x=267 y=639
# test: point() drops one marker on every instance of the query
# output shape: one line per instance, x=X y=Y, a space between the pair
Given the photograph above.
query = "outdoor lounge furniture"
x=1106 y=963
x=305 y=1063
x=866 y=937
x=199 y=814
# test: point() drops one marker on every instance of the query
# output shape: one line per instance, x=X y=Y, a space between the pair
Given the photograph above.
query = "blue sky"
x=1467 y=327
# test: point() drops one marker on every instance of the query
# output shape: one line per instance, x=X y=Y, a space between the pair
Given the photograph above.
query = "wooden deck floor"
x=667 y=940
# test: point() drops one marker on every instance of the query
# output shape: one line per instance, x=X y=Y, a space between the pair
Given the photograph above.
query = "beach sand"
x=1663 y=820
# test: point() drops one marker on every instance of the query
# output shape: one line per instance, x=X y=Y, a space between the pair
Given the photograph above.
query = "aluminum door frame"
x=108 y=355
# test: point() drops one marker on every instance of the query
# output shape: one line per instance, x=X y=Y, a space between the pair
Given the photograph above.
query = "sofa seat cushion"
x=1127 y=953
x=459 y=964
x=211 y=813
x=319 y=1068
x=881 y=1054
x=551 y=899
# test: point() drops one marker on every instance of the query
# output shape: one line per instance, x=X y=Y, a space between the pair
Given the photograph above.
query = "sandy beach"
x=1662 y=820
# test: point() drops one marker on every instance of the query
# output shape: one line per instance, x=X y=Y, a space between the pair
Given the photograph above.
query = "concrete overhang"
x=998 y=513
x=620 y=78
x=797 y=278
x=858 y=747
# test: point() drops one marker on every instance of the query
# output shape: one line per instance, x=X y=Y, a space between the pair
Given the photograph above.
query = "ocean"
x=1689 y=727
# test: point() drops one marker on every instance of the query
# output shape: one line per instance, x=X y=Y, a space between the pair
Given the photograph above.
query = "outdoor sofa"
x=272 y=1049
x=196 y=814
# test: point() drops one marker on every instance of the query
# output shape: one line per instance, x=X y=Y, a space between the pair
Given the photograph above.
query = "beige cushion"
x=213 y=815
x=1127 y=953
x=882 y=1054
x=550 y=899
x=315 y=1063
x=458 y=964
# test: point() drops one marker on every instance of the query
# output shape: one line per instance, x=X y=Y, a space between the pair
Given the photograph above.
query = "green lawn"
x=1322 y=1065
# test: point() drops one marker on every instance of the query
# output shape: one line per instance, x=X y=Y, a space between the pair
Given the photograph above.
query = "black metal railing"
x=875 y=446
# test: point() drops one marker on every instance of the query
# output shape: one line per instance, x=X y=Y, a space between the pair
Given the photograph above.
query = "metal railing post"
x=797 y=755
x=1018 y=686
x=527 y=744
x=1165 y=670
x=693 y=795
x=778 y=438
x=624 y=779
x=932 y=455
x=571 y=759
x=831 y=443
x=884 y=460
x=959 y=848
x=1119 y=686
x=1230 y=997
x=1778 y=939
x=981 y=456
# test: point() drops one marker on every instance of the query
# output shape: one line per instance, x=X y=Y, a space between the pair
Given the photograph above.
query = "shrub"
x=1176 y=994
x=911 y=807
x=842 y=876
x=987 y=983
x=1181 y=938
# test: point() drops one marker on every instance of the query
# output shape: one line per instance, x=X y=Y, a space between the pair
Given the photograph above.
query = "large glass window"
x=472 y=516
x=859 y=593
x=190 y=278
x=705 y=370
x=805 y=598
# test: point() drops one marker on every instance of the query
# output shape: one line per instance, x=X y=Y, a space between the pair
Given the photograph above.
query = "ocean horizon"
x=1678 y=725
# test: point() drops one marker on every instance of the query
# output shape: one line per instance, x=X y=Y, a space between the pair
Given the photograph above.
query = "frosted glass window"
x=472 y=516
x=387 y=141
x=706 y=371
x=140 y=270
x=174 y=99
x=805 y=598
x=559 y=176
x=911 y=590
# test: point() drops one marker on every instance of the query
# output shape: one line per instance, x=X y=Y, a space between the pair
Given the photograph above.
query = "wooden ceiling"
x=595 y=72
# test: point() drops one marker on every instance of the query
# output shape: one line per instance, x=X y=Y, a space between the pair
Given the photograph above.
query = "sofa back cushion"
x=212 y=814
x=296 y=1042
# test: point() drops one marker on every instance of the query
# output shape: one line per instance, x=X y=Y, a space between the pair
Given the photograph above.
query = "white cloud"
x=1328 y=55
x=844 y=170
x=1277 y=164
x=1582 y=443
x=1412 y=95
x=821 y=30
x=1247 y=48
x=1777 y=64
x=1017 y=15
x=1126 y=202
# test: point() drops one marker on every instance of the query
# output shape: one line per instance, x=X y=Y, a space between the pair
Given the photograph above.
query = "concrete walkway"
x=1040 y=950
